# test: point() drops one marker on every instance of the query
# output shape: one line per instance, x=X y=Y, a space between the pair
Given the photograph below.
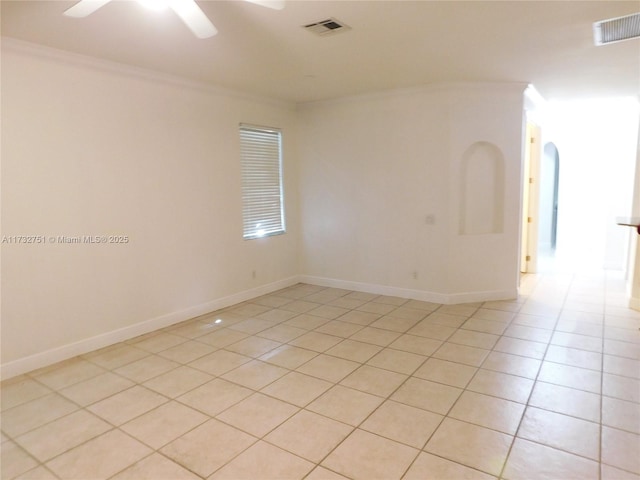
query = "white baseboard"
x=374 y=288
x=484 y=296
x=423 y=295
x=634 y=303
x=55 y=355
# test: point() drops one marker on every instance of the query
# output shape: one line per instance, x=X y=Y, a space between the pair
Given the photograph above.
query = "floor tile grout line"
x=602 y=377
x=29 y=454
x=153 y=452
x=176 y=367
x=447 y=415
x=317 y=464
x=362 y=363
x=357 y=427
x=78 y=408
x=258 y=439
x=388 y=398
x=222 y=421
x=602 y=392
x=85 y=408
x=466 y=387
x=515 y=435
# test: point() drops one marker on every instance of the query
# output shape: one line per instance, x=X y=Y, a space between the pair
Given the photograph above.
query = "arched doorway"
x=548 y=209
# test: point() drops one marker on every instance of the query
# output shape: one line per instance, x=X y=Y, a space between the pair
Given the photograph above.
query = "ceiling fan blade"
x=84 y=8
x=194 y=18
x=275 y=4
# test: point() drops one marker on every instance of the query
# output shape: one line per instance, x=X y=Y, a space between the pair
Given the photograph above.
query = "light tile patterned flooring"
x=321 y=383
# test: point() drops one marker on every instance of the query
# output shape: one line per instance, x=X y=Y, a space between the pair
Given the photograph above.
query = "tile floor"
x=321 y=383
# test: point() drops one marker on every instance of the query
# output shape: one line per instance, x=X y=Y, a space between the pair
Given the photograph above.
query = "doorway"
x=548 y=211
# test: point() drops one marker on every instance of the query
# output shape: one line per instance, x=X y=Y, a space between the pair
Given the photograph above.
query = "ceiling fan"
x=188 y=11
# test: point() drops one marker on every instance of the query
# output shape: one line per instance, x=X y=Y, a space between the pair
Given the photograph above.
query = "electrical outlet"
x=253 y=274
x=430 y=219
x=415 y=274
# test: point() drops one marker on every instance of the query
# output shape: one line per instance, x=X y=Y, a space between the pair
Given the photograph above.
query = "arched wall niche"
x=482 y=190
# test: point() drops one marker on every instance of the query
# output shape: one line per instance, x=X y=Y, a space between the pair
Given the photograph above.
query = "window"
x=262 y=197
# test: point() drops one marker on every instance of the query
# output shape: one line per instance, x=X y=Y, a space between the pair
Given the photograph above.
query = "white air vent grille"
x=327 y=27
x=617 y=29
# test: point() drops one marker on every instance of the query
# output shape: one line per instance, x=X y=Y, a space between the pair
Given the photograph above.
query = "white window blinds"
x=262 y=196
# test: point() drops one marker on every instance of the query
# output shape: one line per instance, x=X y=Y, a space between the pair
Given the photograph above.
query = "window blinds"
x=262 y=196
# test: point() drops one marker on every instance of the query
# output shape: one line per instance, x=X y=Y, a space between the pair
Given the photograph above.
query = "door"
x=530 y=190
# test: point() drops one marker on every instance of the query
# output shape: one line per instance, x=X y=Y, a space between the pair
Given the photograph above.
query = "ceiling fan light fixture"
x=194 y=18
x=273 y=4
x=188 y=11
x=84 y=8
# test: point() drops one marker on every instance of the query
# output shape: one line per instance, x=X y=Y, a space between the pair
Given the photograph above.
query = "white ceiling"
x=391 y=44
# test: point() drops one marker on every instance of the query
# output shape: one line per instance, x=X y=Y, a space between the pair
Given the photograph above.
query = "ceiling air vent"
x=617 y=29
x=327 y=27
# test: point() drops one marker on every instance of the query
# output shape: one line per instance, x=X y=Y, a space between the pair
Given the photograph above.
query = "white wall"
x=89 y=148
x=92 y=148
x=374 y=168
x=633 y=273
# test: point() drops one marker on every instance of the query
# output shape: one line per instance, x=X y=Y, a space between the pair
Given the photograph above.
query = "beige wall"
x=89 y=148
x=92 y=148
x=376 y=169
